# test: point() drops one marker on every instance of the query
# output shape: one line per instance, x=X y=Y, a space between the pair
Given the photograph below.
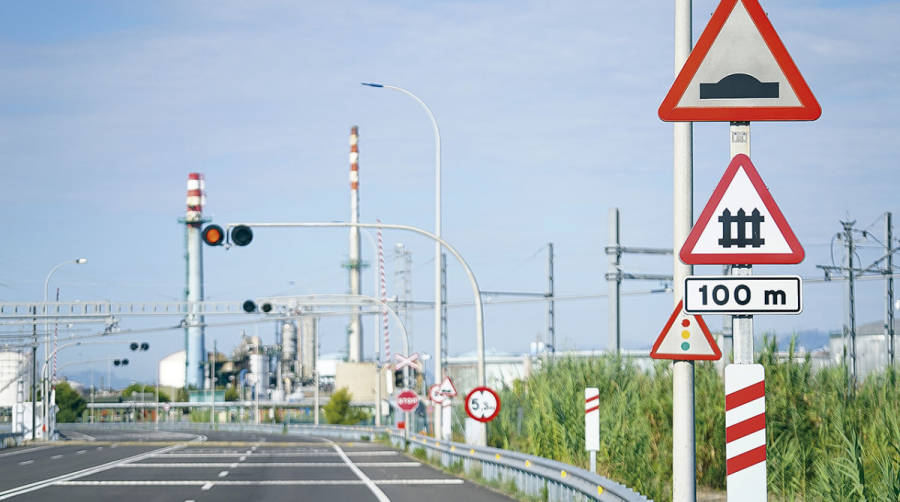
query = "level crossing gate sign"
x=739 y=71
x=741 y=224
x=685 y=338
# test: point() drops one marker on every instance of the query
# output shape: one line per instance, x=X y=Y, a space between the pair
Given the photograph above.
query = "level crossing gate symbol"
x=741 y=219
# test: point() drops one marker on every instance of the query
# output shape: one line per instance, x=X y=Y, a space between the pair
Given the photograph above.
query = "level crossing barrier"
x=534 y=476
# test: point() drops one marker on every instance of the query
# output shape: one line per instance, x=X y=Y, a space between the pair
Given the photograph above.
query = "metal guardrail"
x=533 y=476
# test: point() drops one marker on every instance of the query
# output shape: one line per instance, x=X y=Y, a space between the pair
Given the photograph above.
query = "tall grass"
x=823 y=442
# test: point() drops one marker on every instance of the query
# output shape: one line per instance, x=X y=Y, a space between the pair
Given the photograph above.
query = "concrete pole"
x=354 y=345
x=316 y=396
x=684 y=486
x=614 y=284
x=196 y=346
x=851 y=294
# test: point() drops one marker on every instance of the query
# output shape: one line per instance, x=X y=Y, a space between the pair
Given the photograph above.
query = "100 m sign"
x=743 y=295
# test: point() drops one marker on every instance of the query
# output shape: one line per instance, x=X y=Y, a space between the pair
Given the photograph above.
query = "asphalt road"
x=223 y=466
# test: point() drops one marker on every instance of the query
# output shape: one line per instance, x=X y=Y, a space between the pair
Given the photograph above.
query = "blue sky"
x=547 y=114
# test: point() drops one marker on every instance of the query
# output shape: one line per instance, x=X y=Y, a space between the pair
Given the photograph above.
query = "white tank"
x=309 y=343
x=259 y=371
x=288 y=341
x=10 y=366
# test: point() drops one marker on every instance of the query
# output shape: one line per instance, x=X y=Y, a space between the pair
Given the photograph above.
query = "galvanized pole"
x=741 y=325
x=889 y=289
x=614 y=283
x=851 y=293
x=551 y=291
x=684 y=487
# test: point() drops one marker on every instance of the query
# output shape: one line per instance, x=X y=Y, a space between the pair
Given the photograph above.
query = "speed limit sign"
x=482 y=404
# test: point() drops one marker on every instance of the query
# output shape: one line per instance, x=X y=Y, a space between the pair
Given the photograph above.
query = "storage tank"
x=309 y=345
x=11 y=363
x=259 y=372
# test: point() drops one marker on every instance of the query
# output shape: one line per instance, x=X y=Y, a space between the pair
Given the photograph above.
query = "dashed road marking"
x=207 y=485
x=26 y=462
x=81 y=452
x=223 y=474
x=54 y=457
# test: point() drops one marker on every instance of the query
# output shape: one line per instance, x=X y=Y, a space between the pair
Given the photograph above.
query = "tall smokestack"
x=194 y=344
x=354 y=335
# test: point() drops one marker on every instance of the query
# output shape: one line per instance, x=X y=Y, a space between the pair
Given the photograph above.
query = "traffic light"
x=398 y=379
x=139 y=346
x=241 y=235
x=213 y=235
x=120 y=362
x=250 y=307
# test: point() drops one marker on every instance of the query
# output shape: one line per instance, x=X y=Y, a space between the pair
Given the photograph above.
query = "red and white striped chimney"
x=196 y=197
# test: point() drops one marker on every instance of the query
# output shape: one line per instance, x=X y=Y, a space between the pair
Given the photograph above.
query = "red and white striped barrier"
x=745 y=432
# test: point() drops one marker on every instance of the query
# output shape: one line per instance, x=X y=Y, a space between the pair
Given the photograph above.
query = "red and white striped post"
x=745 y=432
x=592 y=423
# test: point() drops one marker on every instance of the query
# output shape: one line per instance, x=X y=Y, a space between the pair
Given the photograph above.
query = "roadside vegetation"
x=823 y=441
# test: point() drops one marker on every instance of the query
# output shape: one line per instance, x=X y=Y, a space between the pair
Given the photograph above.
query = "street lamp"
x=46 y=386
x=438 y=374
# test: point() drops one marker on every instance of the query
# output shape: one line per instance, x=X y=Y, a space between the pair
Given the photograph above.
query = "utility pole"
x=614 y=283
x=889 y=289
x=851 y=291
x=551 y=313
x=34 y=374
x=444 y=344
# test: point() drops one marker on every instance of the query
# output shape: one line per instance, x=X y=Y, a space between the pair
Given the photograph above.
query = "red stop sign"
x=407 y=400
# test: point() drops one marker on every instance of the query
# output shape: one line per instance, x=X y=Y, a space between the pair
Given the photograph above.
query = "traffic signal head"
x=134 y=346
x=398 y=379
x=145 y=346
x=213 y=235
x=241 y=235
x=249 y=307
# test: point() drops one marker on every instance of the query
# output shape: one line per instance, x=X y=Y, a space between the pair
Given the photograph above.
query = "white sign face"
x=447 y=387
x=434 y=393
x=743 y=295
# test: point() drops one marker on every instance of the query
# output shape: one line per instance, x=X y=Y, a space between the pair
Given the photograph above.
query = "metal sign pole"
x=684 y=487
x=741 y=325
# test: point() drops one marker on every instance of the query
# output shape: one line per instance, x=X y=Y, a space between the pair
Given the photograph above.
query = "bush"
x=338 y=409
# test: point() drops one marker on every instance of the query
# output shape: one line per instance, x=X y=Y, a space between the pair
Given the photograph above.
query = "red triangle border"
x=809 y=108
x=689 y=257
x=717 y=354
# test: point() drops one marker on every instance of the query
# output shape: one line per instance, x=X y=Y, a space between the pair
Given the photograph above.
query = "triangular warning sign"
x=685 y=338
x=741 y=224
x=739 y=71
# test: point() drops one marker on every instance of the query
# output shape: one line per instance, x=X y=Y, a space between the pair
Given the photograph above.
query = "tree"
x=339 y=411
x=231 y=394
x=148 y=389
x=71 y=404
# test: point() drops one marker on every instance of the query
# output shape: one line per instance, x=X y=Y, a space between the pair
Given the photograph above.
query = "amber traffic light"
x=213 y=235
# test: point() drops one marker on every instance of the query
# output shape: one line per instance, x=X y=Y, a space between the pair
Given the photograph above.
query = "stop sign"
x=407 y=400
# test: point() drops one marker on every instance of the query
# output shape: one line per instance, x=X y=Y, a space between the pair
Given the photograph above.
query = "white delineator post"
x=684 y=487
x=446 y=419
x=745 y=432
x=592 y=424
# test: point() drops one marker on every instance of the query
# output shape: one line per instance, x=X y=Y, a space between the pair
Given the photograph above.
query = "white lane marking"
x=368 y=453
x=223 y=474
x=26 y=462
x=54 y=457
x=81 y=452
x=189 y=500
x=37 y=485
x=243 y=457
x=27 y=450
x=360 y=474
x=220 y=465
x=267 y=482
